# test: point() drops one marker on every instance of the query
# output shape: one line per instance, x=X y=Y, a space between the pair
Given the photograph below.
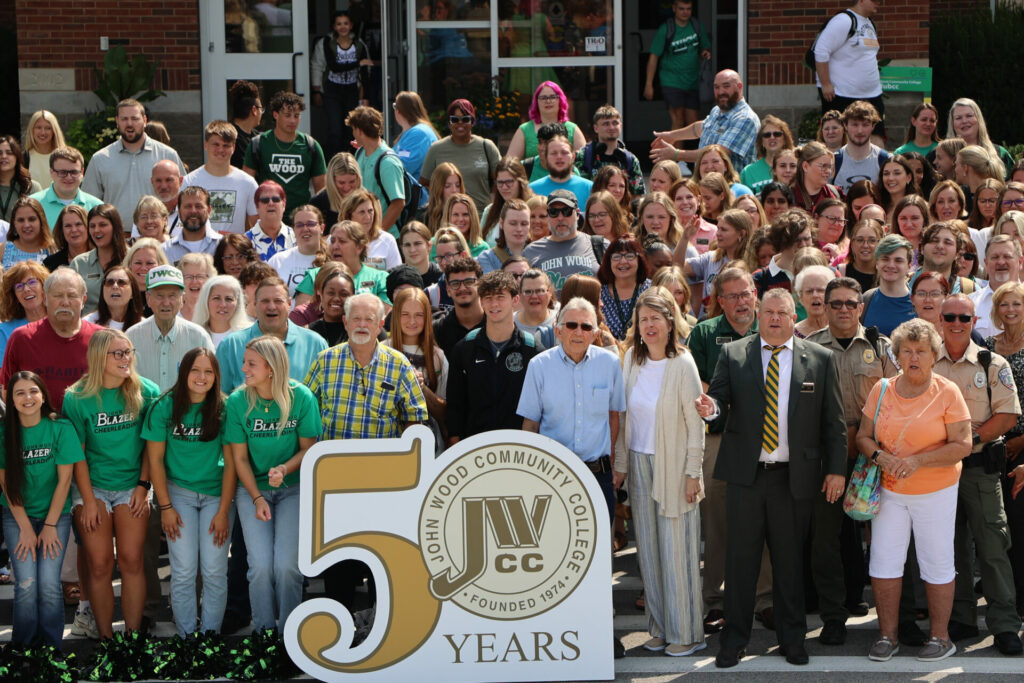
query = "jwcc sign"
x=491 y=561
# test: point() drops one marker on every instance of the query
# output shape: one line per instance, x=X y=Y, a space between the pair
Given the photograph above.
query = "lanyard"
x=624 y=315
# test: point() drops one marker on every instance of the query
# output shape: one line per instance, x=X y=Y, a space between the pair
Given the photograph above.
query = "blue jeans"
x=195 y=550
x=38 y=603
x=275 y=582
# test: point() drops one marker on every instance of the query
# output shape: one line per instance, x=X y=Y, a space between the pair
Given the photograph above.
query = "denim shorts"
x=687 y=99
x=111 y=499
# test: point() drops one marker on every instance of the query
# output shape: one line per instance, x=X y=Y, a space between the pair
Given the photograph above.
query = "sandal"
x=72 y=593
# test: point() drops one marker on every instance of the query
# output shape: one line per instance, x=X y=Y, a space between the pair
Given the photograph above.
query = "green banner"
x=907 y=79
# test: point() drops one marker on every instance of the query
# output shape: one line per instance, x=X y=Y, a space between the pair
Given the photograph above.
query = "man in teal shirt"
x=679 y=56
x=66 y=169
x=735 y=293
x=367 y=129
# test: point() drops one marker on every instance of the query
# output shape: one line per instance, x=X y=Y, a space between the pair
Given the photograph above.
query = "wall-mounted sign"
x=492 y=561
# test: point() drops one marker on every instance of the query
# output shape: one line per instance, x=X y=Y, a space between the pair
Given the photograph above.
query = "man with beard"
x=859 y=158
x=1003 y=262
x=119 y=173
x=731 y=123
x=55 y=347
x=196 y=234
x=566 y=251
x=560 y=161
x=460 y=278
x=366 y=390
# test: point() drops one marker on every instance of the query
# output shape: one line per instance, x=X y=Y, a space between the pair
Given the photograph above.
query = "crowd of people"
x=175 y=340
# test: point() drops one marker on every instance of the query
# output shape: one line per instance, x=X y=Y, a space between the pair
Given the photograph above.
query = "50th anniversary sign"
x=491 y=561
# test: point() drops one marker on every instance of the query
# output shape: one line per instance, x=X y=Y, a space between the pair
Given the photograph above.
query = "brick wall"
x=167 y=30
x=780 y=31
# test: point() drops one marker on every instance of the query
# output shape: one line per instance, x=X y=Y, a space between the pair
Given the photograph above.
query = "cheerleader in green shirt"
x=36 y=462
x=106 y=407
x=271 y=422
x=194 y=485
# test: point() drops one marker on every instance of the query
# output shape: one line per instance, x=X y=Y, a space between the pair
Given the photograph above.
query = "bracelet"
x=169 y=506
x=257 y=498
x=675 y=155
x=48 y=524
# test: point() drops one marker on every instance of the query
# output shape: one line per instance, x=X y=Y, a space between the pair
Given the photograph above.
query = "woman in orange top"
x=922 y=432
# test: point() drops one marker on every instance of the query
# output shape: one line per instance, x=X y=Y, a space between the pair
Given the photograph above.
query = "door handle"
x=295 y=83
x=639 y=38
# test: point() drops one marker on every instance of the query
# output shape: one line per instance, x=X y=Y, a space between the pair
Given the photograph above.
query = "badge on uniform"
x=722 y=340
x=979 y=379
x=1006 y=378
x=868 y=356
x=807 y=388
x=514 y=361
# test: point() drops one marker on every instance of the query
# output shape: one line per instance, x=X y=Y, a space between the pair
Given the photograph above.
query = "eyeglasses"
x=771 y=134
x=303 y=226
x=837 y=305
x=120 y=282
x=935 y=294
x=572 y=325
x=121 y=354
x=196 y=278
x=738 y=296
x=555 y=212
x=962 y=317
x=268 y=200
x=598 y=214
x=624 y=256
x=20 y=286
x=534 y=292
x=866 y=240
x=835 y=220
x=446 y=257
x=1007 y=203
x=234 y=257
x=460 y=119
x=67 y=173
x=505 y=183
x=824 y=168
x=151 y=216
x=468 y=283
x=547 y=98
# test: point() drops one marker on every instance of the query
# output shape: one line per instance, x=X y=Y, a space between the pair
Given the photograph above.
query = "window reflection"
x=263 y=26
x=554 y=28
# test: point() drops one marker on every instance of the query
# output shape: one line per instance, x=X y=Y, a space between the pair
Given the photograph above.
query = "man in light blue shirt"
x=272 y=307
x=66 y=165
x=574 y=392
x=560 y=160
x=196 y=233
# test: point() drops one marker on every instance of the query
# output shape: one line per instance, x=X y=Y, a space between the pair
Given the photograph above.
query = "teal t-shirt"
x=43 y=447
x=911 y=147
x=756 y=175
x=679 y=65
x=369 y=279
x=292 y=165
x=257 y=429
x=190 y=463
x=112 y=437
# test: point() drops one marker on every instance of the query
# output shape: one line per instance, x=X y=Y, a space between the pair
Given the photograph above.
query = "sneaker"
x=85 y=625
x=883 y=650
x=655 y=644
x=677 y=650
x=936 y=649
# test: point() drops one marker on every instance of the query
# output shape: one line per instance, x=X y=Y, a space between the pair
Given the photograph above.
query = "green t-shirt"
x=679 y=65
x=911 y=147
x=43 y=447
x=112 y=437
x=190 y=463
x=292 y=165
x=257 y=429
x=369 y=279
x=756 y=175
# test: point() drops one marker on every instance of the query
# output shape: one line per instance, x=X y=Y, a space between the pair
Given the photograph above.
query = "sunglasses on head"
x=962 y=317
x=460 y=119
x=572 y=325
x=554 y=211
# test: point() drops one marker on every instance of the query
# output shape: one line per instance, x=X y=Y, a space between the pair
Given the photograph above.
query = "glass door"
x=264 y=42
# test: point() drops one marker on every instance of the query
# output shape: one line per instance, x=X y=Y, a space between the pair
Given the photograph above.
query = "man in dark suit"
x=779 y=441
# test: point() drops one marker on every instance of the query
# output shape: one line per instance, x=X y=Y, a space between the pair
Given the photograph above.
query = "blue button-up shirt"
x=736 y=130
x=301 y=344
x=571 y=401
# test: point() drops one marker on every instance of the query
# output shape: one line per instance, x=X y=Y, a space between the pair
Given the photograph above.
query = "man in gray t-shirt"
x=858 y=159
x=565 y=252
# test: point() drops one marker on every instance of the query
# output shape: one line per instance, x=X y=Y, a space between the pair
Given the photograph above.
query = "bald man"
x=732 y=124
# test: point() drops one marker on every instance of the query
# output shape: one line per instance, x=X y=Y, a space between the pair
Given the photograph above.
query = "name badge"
x=807 y=388
x=387 y=386
x=722 y=340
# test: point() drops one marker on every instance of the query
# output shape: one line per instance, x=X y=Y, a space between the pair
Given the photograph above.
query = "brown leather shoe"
x=714 y=621
x=767 y=617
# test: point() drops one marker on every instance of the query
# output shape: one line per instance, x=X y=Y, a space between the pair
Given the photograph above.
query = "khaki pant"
x=712 y=516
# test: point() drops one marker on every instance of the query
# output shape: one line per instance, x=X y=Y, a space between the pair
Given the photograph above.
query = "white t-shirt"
x=642 y=403
x=231 y=197
x=382 y=253
x=853 y=62
x=218 y=337
x=94 y=317
x=291 y=265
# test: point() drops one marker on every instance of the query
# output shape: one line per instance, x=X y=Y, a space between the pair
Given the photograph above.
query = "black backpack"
x=413 y=191
x=588 y=160
x=670 y=30
x=809 y=61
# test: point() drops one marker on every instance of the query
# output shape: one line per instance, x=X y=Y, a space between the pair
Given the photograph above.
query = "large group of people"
x=175 y=341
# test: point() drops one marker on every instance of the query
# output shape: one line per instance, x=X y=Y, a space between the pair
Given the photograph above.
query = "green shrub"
x=92 y=132
x=973 y=56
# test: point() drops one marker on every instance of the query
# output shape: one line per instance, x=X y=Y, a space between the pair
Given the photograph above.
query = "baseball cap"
x=563 y=197
x=164 y=275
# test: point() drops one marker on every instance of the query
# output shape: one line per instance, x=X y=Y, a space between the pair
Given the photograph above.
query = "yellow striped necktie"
x=770 y=429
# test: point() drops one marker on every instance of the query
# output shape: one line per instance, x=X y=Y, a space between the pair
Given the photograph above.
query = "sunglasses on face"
x=120 y=282
x=968 y=256
x=460 y=119
x=586 y=327
x=836 y=305
x=555 y=212
x=268 y=200
x=771 y=134
x=962 y=317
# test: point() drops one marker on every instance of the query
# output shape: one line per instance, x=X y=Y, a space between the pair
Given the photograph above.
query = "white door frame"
x=218 y=66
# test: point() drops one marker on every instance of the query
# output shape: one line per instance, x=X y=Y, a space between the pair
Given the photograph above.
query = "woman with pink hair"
x=549 y=105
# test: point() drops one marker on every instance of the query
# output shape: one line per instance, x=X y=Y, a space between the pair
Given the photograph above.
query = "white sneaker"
x=85 y=625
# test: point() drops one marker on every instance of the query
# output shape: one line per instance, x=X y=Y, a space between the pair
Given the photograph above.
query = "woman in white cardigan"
x=661 y=448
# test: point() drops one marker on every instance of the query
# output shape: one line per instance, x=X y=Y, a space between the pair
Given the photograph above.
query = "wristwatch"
x=874 y=456
x=144 y=484
x=976 y=438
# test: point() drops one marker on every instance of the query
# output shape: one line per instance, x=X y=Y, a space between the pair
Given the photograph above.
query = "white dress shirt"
x=780 y=454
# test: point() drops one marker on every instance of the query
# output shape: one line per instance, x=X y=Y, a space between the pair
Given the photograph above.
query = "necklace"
x=625 y=314
x=280 y=145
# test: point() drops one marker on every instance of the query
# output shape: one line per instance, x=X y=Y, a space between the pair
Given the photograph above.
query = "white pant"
x=932 y=517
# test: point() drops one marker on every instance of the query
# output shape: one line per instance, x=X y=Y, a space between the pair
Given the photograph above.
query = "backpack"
x=414 y=194
x=809 y=60
x=597 y=245
x=670 y=30
x=588 y=160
